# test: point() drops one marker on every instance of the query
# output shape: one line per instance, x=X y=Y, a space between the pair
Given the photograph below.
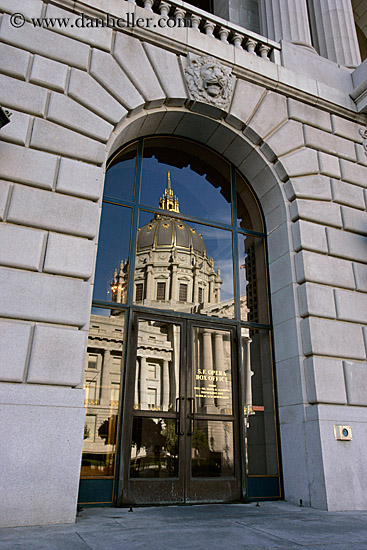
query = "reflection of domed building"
x=172 y=265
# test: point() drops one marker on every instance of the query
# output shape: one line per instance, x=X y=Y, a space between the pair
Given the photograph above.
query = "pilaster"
x=286 y=20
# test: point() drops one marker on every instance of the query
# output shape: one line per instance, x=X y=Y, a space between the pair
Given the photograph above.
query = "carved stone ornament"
x=210 y=81
x=363 y=133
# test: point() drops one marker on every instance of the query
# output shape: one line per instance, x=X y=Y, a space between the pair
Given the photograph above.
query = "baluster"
x=237 y=40
x=195 y=22
x=164 y=9
x=264 y=51
x=251 y=45
x=209 y=28
x=223 y=34
x=148 y=4
x=179 y=13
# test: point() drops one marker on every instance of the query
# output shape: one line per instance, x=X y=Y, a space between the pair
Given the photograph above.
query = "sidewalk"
x=272 y=526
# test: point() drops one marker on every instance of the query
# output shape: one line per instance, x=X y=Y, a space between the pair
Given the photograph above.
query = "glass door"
x=180 y=422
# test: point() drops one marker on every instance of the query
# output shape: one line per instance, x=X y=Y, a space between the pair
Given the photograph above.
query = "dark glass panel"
x=212 y=452
x=102 y=382
x=154 y=448
x=120 y=175
x=248 y=212
x=212 y=371
x=253 y=279
x=261 y=438
x=172 y=252
x=157 y=366
x=200 y=179
x=110 y=283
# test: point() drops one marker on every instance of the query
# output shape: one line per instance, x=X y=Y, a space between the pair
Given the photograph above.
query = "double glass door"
x=180 y=422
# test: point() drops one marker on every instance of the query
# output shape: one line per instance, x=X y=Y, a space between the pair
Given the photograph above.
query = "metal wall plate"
x=343 y=433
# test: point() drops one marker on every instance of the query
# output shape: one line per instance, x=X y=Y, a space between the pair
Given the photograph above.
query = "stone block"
x=17 y=130
x=197 y=126
x=245 y=100
x=68 y=112
x=14 y=349
x=71 y=256
x=329 y=143
x=309 y=187
x=325 y=380
x=360 y=274
x=46 y=298
x=46 y=43
x=166 y=65
x=253 y=163
x=317 y=300
x=109 y=73
x=21 y=247
x=4 y=194
x=130 y=54
x=345 y=128
x=356 y=382
x=354 y=220
x=326 y=213
x=286 y=343
x=237 y=151
x=332 y=338
x=354 y=173
x=23 y=96
x=220 y=139
x=329 y=165
x=344 y=193
x=270 y=114
x=66 y=142
x=46 y=437
x=80 y=179
x=283 y=301
x=351 y=306
x=287 y=138
x=361 y=154
x=303 y=162
x=318 y=268
x=13 y=62
x=26 y=166
x=57 y=356
x=278 y=241
x=309 y=236
x=29 y=8
x=346 y=245
x=271 y=200
x=262 y=183
x=280 y=272
x=289 y=382
x=309 y=115
x=87 y=91
x=97 y=36
x=53 y=211
x=48 y=73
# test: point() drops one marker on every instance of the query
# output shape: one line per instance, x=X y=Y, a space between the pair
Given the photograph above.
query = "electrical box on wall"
x=343 y=433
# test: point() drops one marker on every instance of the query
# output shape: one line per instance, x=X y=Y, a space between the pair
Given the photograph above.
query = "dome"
x=165 y=231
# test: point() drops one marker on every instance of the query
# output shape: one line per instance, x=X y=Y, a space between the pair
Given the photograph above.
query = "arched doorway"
x=179 y=379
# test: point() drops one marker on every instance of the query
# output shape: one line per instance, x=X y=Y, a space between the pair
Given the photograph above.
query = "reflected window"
x=139 y=292
x=161 y=291
x=183 y=293
x=92 y=361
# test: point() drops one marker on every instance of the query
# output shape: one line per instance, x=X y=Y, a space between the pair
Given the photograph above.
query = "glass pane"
x=212 y=452
x=200 y=180
x=157 y=366
x=173 y=255
x=212 y=371
x=248 y=212
x=102 y=383
x=253 y=280
x=120 y=175
x=110 y=283
x=154 y=448
x=259 y=403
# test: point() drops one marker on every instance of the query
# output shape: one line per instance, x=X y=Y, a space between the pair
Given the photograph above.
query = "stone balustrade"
x=214 y=26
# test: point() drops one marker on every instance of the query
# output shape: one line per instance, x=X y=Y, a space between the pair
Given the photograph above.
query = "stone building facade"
x=279 y=90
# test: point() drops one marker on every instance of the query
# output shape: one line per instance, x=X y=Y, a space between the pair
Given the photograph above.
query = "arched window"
x=181 y=301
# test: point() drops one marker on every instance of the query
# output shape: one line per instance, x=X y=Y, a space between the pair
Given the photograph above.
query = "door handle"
x=191 y=415
x=178 y=417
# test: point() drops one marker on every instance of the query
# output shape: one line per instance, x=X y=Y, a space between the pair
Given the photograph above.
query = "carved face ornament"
x=209 y=81
x=214 y=79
